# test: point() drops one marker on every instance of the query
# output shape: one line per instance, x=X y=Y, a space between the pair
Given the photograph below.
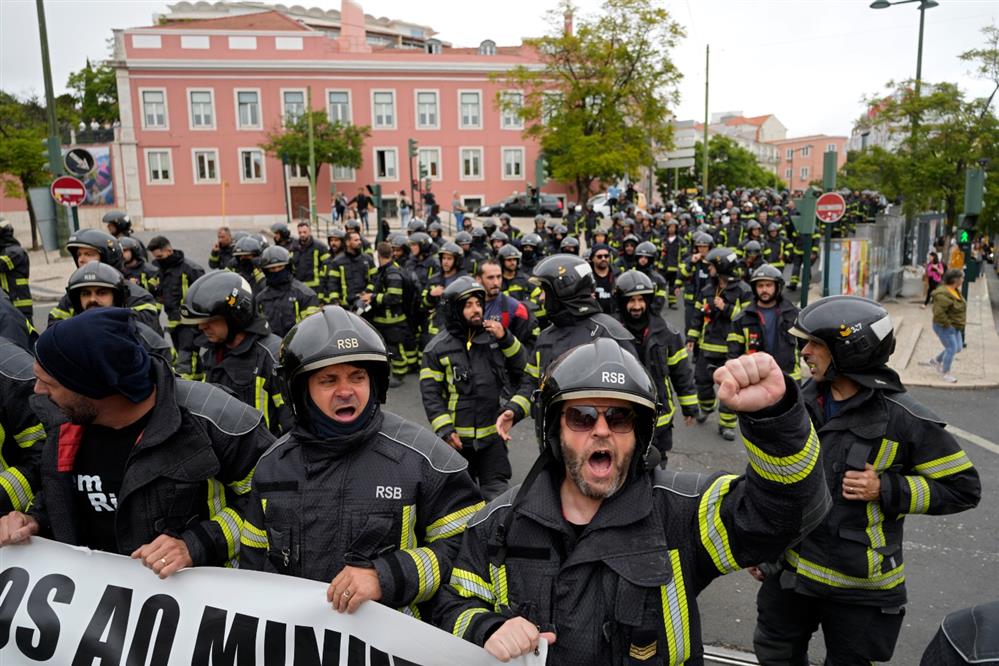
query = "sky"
x=809 y=62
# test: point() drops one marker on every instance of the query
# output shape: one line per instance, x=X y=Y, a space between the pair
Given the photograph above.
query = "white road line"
x=973 y=438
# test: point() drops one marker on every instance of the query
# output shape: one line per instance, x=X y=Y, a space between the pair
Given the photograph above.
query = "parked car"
x=520 y=205
x=599 y=203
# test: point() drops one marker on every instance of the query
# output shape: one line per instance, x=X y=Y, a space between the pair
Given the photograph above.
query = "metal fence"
x=886 y=237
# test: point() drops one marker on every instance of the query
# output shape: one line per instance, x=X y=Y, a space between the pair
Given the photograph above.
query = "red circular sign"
x=68 y=191
x=830 y=207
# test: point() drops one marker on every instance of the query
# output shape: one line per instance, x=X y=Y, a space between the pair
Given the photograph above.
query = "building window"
x=383 y=109
x=339 y=106
x=487 y=47
x=471 y=164
x=787 y=173
x=426 y=110
x=551 y=104
x=297 y=171
x=789 y=155
x=159 y=171
x=293 y=105
x=803 y=174
x=471 y=109
x=430 y=163
x=831 y=147
x=288 y=43
x=243 y=43
x=248 y=109
x=806 y=151
x=146 y=42
x=154 y=113
x=206 y=168
x=434 y=46
x=509 y=112
x=472 y=203
x=342 y=173
x=195 y=42
x=202 y=109
x=385 y=164
x=251 y=165
x=513 y=163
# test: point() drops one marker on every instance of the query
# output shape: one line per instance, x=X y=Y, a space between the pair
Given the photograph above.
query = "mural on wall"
x=98 y=181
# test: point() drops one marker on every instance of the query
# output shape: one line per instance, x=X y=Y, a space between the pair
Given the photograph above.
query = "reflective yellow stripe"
x=919 y=494
x=688 y=400
x=252 y=536
x=451 y=524
x=441 y=421
x=786 y=469
x=469 y=585
x=243 y=486
x=260 y=399
x=952 y=464
x=521 y=402
x=712 y=347
x=476 y=433
x=428 y=572
x=675 y=613
x=27 y=437
x=714 y=536
x=678 y=356
x=464 y=619
x=407 y=539
x=144 y=307
x=59 y=313
x=498 y=576
x=427 y=373
x=452 y=391
x=17 y=488
x=228 y=520
x=513 y=349
x=7 y=260
x=833 y=578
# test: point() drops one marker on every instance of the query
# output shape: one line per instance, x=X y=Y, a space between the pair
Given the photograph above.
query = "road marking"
x=973 y=438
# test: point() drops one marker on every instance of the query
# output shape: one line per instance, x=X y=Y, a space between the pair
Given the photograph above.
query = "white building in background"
x=754 y=133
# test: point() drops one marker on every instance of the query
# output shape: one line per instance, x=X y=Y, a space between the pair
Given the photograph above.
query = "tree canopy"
x=95 y=90
x=334 y=143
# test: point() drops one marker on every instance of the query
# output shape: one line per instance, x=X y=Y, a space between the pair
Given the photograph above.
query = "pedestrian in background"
x=405 y=210
x=949 y=314
x=458 y=210
x=934 y=274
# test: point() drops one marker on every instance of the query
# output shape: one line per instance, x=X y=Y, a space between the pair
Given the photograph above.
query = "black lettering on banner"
x=274 y=642
x=113 y=609
x=44 y=617
x=168 y=610
x=399 y=661
x=355 y=652
x=379 y=658
x=213 y=647
x=307 y=650
x=13 y=585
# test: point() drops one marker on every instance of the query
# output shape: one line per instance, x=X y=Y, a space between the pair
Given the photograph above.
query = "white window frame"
x=305 y=101
x=350 y=110
x=461 y=113
x=334 y=179
x=806 y=150
x=374 y=164
x=789 y=154
x=466 y=197
x=832 y=147
x=195 y=42
x=788 y=173
x=440 y=163
x=288 y=44
x=263 y=165
x=519 y=122
x=242 y=43
x=803 y=173
x=523 y=163
x=194 y=164
x=149 y=172
x=461 y=163
x=165 y=127
x=437 y=108
x=260 y=109
x=190 y=110
x=395 y=109
x=146 y=42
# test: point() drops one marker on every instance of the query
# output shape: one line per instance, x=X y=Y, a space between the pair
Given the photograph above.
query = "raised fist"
x=750 y=383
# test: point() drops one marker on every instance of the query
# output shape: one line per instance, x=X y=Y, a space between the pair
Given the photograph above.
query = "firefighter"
x=350 y=272
x=21 y=433
x=135 y=268
x=221 y=254
x=765 y=324
x=647 y=254
x=384 y=306
x=119 y=225
x=285 y=301
x=15 y=268
x=308 y=260
x=451 y=259
x=694 y=275
x=673 y=250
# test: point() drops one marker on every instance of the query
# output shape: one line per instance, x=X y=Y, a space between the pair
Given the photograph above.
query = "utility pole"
x=52 y=142
x=312 y=159
x=828 y=184
x=707 y=64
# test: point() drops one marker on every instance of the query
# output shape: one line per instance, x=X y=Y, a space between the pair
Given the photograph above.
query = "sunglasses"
x=583 y=418
x=601 y=256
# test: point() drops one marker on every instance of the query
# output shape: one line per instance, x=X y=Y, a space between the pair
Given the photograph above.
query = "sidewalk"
x=48 y=279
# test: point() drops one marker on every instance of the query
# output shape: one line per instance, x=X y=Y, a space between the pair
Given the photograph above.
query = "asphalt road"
x=951 y=560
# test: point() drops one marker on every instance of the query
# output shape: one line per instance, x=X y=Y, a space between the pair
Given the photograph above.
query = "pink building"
x=198 y=97
x=801 y=158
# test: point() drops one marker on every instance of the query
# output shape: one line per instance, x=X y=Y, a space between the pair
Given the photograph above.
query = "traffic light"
x=966 y=232
x=413 y=148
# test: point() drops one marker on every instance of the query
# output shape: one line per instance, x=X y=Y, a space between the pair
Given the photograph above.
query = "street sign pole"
x=828 y=184
x=804 y=223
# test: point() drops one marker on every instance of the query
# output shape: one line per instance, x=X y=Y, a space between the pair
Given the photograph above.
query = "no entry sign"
x=68 y=191
x=830 y=207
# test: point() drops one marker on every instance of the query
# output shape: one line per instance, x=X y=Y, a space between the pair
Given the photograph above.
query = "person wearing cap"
x=466 y=369
x=177 y=274
x=21 y=433
x=603 y=554
x=604 y=275
x=136 y=461
x=284 y=301
x=401 y=496
x=765 y=323
x=15 y=269
x=886 y=457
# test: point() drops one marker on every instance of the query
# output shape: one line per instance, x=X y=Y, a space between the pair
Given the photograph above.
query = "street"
x=951 y=561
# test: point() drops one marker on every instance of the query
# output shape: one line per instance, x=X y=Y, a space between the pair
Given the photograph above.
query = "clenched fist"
x=750 y=383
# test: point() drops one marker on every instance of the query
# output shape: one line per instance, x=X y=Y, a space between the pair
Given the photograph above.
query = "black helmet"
x=463 y=237
x=106 y=245
x=773 y=226
x=530 y=240
x=753 y=224
x=435 y=226
x=559 y=229
x=399 y=239
x=327 y=337
x=422 y=240
x=353 y=225
x=236 y=235
x=633 y=283
x=631 y=239
x=281 y=230
x=752 y=247
x=415 y=225
x=724 y=260
x=703 y=238
x=499 y=236
x=489 y=226
x=96 y=274
x=120 y=219
x=569 y=244
x=767 y=272
x=565 y=278
x=455 y=296
x=336 y=232
x=455 y=251
x=247 y=246
x=274 y=256
x=646 y=249
x=129 y=243
x=540 y=218
x=479 y=234
x=509 y=252
x=220 y=294
x=857 y=331
x=598 y=369
x=505 y=217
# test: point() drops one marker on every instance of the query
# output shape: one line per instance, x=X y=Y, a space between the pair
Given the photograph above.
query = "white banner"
x=64 y=605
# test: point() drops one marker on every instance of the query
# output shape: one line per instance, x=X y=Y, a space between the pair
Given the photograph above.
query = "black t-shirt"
x=98 y=471
x=604 y=291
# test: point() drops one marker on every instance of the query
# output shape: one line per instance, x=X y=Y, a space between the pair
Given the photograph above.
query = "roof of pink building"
x=743 y=120
x=810 y=137
x=270 y=20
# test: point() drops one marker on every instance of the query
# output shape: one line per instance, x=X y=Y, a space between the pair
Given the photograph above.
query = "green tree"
x=95 y=91
x=598 y=105
x=729 y=164
x=334 y=143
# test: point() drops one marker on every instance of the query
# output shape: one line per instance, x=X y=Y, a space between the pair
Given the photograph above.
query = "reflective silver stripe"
x=464 y=619
x=952 y=464
x=919 y=494
x=675 y=613
x=428 y=571
x=714 y=536
x=469 y=585
x=784 y=469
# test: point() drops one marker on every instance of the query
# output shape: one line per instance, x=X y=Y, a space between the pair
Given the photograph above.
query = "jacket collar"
x=864 y=414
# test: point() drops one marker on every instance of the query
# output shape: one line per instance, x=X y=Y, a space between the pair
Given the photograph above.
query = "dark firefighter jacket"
x=624 y=590
x=662 y=352
x=855 y=554
x=462 y=379
x=710 y=326
x=673 y=251
x=140 y=301
x=391 y=497
x=429 y=303
x=692 y=278
x=387 y=307
x=21 y=434
x=221 y=258
x=308 y=264
x=286 y=305
x=144 y=274
x=188 y=475
x=348 y=276
x=177 y=274
x=15 y=326
x=14 y=269
x=748 y=336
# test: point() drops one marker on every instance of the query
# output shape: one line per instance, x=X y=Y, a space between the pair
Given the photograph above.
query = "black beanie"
x=97 y=354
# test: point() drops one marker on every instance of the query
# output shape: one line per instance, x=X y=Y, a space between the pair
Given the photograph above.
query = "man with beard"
x=661 y=351
x=512 y=314
x=603 y=276
x=137 y=462
x=308 y=259
x=351 y=271
x=284 y=301
x=177 y=274
x=467 y=367
x=402 y=496
x=765 y=324
x=221 y=255
x=602 y=555
x=14 y=269
x=238 y=351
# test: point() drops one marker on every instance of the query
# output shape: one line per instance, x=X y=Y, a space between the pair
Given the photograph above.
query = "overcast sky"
x=809 y=62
